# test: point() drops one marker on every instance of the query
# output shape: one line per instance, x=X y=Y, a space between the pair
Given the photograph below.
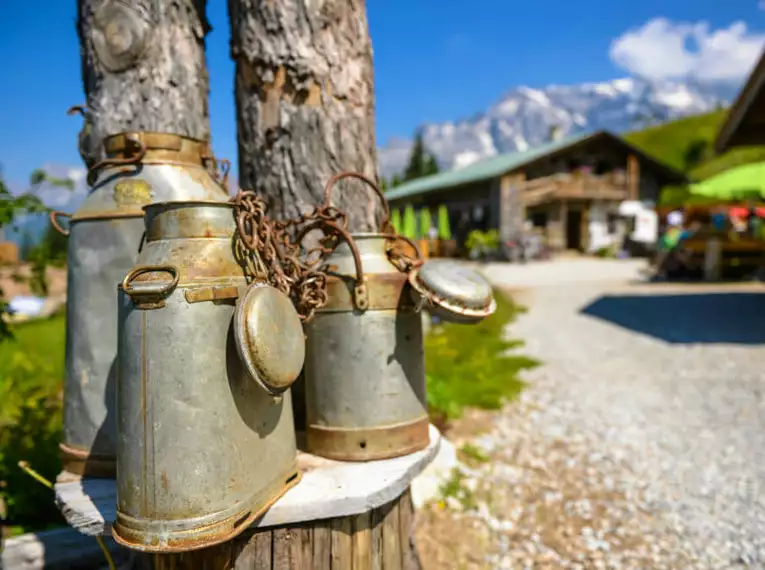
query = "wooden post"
x=633 y=177
x=563 y=225
x=712 y=259
x=512 y=211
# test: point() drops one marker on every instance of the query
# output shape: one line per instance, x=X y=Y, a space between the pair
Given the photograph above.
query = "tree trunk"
x=305 y=103
x=143 y=69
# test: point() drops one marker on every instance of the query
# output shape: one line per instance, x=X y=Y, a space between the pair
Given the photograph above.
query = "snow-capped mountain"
x=524 y=118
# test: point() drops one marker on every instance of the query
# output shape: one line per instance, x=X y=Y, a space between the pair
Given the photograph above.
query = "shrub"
x=480 y=243
x=31 y=368
x=472 y=366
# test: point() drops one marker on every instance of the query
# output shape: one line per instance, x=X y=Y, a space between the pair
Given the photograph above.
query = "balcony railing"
x=611 y=186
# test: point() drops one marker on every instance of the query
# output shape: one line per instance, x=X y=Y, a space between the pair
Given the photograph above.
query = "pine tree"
x=431 y=165
x=395 y=181
x=417 y=160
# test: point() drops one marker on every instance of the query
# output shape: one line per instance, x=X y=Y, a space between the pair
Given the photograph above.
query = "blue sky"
x=435 y=60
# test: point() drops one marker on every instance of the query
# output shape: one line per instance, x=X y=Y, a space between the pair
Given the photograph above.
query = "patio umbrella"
x=745 y=182
x=742 y=212
x=409 y=223
x=395 y=220
x=444 y=231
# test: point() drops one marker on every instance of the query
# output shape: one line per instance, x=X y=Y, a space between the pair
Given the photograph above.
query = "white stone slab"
x=328 y=489
x=427 y=485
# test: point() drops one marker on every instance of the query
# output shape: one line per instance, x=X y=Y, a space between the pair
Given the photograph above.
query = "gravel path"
x=640 y=442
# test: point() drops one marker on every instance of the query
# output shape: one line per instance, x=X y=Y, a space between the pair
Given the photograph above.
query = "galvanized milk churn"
x=104 y=238
x=365 y=378
x=205 y=424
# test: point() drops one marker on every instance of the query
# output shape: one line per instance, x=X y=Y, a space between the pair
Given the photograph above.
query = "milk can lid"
x=453 y=288
x=269 y=337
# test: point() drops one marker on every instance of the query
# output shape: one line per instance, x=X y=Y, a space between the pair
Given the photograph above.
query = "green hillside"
x=687 y=144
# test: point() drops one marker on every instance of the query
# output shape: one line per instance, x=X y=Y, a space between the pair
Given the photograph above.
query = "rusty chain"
x=268 y=250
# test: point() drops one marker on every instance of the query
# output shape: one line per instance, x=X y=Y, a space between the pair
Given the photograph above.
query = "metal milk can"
x=364 y=372
x=206 y=436
x=104 y=238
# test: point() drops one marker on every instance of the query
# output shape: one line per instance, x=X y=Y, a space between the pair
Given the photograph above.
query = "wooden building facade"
x=569 y=190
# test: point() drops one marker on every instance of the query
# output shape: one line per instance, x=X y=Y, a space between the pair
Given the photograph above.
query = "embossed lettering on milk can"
x=365 y=377
x=104 y=238
x=205 y=425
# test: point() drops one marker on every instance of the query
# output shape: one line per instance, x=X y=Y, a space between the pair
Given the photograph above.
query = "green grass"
x=41 y=340
x=454 y=488
x=471 y=454
x=31 y=373
x=472 y=366
x=671 y=141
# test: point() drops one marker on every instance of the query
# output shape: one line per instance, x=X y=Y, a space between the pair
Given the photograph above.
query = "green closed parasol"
x=740 y=183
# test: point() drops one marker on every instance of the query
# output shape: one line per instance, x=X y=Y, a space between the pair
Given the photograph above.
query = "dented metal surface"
x=365 y=368
x=105 y=236
x=203 y=450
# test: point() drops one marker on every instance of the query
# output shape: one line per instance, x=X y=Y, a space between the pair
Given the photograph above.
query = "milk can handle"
x=360 y=296
x=162 y=290
x=135 y=159
x=54 y=215
x=337 y=177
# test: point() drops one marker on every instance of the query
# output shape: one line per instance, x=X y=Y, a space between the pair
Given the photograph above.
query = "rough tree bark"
x=143 y=68
x=305 y=102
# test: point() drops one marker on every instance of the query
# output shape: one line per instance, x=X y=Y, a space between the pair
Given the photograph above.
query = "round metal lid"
x=269 y=337
x=453 y=288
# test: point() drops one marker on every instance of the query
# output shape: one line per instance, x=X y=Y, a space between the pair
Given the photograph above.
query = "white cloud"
x=76 y=174
x=662 y=49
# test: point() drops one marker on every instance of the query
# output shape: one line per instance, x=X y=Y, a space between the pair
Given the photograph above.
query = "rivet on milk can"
x=365 y=378
x=105 y=235
x=206 y=433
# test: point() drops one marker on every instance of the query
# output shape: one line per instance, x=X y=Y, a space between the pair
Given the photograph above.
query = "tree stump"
x=143 y=69
x=380 y=539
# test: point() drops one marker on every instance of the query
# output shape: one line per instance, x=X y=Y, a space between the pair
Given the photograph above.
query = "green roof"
x=482 y=170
